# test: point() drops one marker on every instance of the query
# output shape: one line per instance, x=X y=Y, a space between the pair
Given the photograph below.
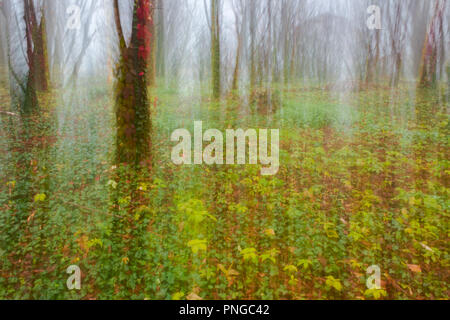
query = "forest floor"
x=363 y=181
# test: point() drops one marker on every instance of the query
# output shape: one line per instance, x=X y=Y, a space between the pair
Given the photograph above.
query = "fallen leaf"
x=193 y=296
x=414 y=268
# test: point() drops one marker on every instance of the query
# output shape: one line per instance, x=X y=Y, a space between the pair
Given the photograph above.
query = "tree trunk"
x=429 y=61
x=41 y=56
x=252 y=67
x=151 y=72
x=3 y=57
x=133 y=142
x=30 y=102
x=160 y=55
x=237 y=65
x=215 y=48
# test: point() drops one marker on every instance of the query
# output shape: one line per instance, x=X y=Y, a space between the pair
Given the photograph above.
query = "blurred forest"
x=91 y=90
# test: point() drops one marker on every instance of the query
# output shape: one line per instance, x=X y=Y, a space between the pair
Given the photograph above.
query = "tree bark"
x=430 y=51
x=215 y=49
x=30 y=103
x=160 y=34
x=236 y=66
x=133 y=118
x=151 y=72
x=252 y=67
x=36 y=47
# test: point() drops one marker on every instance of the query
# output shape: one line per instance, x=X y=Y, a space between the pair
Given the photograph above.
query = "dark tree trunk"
x=133 y=144
x=30 y=103
x=41 y=57
x=36 y=51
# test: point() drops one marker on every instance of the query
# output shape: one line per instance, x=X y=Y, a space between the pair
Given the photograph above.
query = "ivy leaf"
x=178 y=295
x=197 y=245
x=40 y=197
x=305 y=263
x=112 y=184
x=249 y=254
x=375 y=293
x=290 y=268
x=270 y=255
x=334 y=283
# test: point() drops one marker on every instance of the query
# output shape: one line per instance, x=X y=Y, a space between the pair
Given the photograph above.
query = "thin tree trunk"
x=237 y=63
x=252 y=67
x=160 y=34
x=215 y=49
x=151 y=72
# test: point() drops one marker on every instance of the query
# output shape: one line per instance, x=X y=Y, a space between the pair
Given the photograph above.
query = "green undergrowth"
x=363 y=181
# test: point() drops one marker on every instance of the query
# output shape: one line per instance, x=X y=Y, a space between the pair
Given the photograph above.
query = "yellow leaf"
x=178 y=296
x=12 y=184
x=290 y=268
x=40 y=197
x=197 y=245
